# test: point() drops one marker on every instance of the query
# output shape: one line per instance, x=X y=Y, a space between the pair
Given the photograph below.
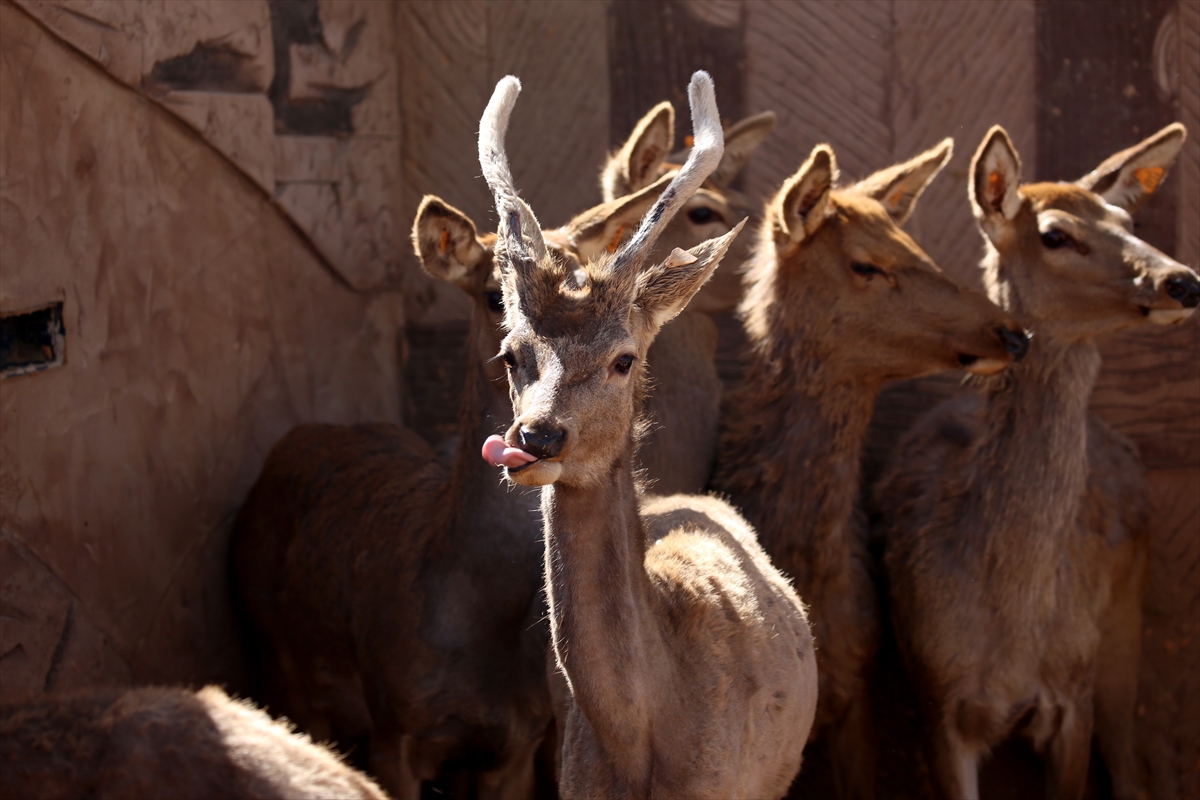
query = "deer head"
x=715 y=206
x=578 y=335
x=835 y=273
x=1063 y=255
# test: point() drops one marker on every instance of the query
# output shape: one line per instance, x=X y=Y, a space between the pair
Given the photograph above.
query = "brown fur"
x=823 y=339
x=1014 y=541
x=369 y=569
x=688 y=657
x=684 y=401
x=113 y=744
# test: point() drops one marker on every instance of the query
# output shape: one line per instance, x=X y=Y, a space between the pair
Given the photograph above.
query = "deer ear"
x=995 y=178
x=1128 y=178
x=803 y=202
x=602 y=229
x=636 y=165
x=662 y=291
x=448 y=245
x=899 y=186
x=740 y=143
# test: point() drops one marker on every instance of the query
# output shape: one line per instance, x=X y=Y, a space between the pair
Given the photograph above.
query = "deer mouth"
x=497 y=453
x=982 y=366
x=1166 y=316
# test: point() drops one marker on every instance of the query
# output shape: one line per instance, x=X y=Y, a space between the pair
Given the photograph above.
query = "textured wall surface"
x=199 y=328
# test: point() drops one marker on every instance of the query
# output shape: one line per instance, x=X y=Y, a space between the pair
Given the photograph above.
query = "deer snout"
x=1015 y=342
x=541 y=440
x=1184 y=289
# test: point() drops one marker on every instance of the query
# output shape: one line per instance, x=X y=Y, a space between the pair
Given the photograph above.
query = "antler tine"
x=517 y=223
x=708 y=144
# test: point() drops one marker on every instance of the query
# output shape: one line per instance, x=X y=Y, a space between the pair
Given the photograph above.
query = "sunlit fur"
x=1011 y=519
x=687 y=657
x=822 y=341
x=157 y=742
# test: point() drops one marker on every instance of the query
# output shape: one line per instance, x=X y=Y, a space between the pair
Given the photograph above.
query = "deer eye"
x=510 y=359
x=702 y=215
x=866 y=270
x=623 y=364
x=495 y=301
x=1054 y=239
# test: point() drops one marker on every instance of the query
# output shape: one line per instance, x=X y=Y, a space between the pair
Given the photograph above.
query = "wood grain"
x=826 y=69
x=1187 y=247
x=950 y=82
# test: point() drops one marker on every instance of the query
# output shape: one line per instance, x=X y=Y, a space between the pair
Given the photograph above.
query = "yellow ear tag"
x=616 y=240
x=1149 y=177
x=689 y=141
x=995 y=183
x=444 y=242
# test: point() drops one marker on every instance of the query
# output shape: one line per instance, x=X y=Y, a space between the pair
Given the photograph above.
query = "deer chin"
x=987 y=366
x=1168 y=316
x=537 y=473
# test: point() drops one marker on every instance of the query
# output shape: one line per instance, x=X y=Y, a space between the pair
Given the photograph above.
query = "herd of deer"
x=688 y=644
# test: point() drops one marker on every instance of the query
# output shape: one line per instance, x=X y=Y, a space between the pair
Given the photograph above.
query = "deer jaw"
x=1064 y=256
x=834 y=272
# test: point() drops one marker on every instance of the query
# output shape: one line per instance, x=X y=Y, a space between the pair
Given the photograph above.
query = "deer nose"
x=1185 y=290
x=541 y=441
x=1015 y=342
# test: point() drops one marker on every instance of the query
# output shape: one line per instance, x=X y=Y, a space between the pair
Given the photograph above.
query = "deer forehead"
x=870 y=235
x=1081 y=203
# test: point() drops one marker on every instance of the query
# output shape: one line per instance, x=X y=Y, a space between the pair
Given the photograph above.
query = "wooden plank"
x=824 y=68
x=1187 y=247
x=948 y=81
x=655 y=47
x=558 y=136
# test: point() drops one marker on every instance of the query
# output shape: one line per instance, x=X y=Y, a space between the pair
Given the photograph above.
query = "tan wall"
x=199 y=327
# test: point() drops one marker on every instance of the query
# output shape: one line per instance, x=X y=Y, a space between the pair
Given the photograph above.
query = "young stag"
x=687 y=656
x=116 y=744
x=392 y=596
x=838 y=301
x=684 y=407
x=1015 y=612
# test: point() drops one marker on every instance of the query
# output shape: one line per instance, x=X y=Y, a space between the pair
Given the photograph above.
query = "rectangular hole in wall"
x=31 y=342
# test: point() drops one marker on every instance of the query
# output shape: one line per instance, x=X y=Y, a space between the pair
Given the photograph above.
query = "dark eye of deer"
x=866 y=270
x=1052 y=239
x=702 y=215
x=495 y=301
x=623 y=364
x=510 y=359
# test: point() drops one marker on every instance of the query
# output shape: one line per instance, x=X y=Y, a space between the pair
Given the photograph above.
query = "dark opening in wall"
x=31 y=342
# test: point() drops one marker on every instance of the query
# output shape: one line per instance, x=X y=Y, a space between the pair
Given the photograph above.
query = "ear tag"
x=689 y=140
x=679 y=258
x=1149 y=177
x=616 y=240
x=444 y=241
x=897 y=197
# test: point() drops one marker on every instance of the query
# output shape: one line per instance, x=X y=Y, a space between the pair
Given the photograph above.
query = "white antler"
x=708 y=145
x=518 y=226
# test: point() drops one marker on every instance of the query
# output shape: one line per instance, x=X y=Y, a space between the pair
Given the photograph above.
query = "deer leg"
x=391 y=764
x=853 y=752
x=1068 y=753
x=956 y=765
x=1115 y=692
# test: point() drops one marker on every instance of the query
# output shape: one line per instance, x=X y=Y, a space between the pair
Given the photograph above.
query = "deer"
x=686 y=656
x=1015 y=577
x=164 y=742
x=839 y=300
x=684 y=407
x=392 y=602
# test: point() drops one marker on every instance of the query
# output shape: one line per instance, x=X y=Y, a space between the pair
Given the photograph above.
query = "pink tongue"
x=499 y=454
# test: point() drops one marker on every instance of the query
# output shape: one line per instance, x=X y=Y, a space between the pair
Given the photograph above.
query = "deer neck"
x=796 y=445
x=600 y=609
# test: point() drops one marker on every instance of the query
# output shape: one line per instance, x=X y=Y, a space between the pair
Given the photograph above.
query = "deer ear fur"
x=899 y=186
x=605 y=227
x=995 y=179
x=1128 y=178
x=637 y=164
x=662 y=291
x=803 y=203
x=741 y=141
x=446 y=241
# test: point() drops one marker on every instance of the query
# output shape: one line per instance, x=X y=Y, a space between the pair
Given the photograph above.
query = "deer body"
x=838 y=301
x=114 y=744
x=687 y=657
x=1008 y=572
